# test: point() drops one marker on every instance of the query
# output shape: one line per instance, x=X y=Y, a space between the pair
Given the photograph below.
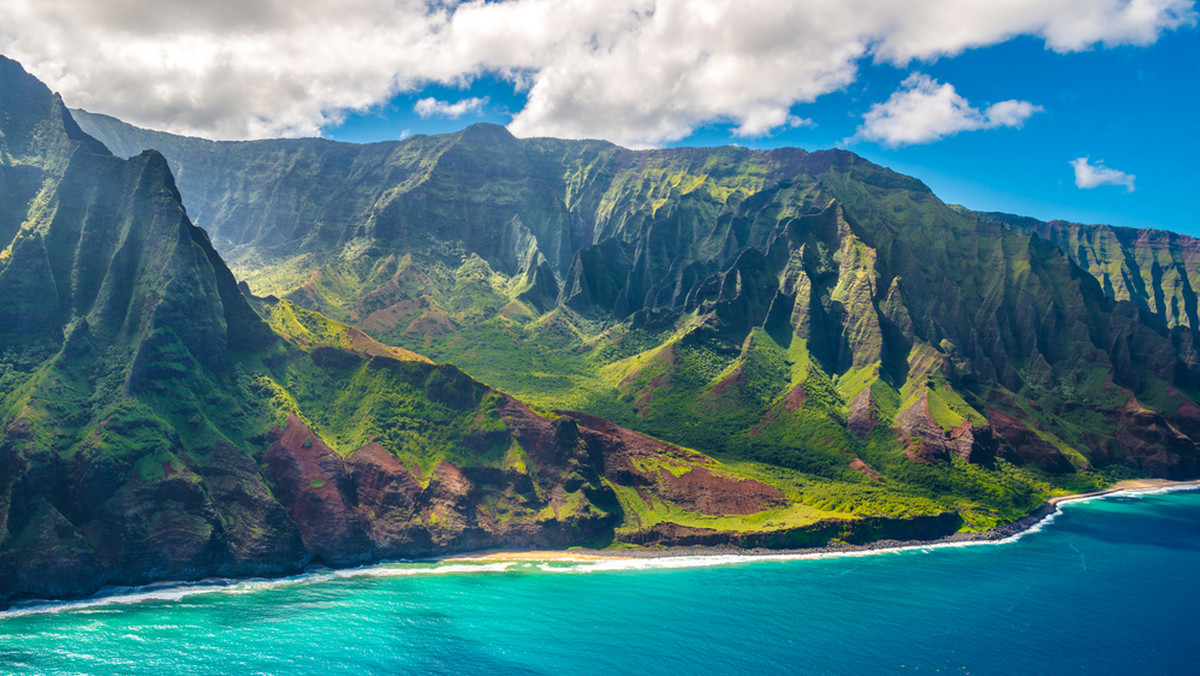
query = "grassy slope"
x=907 y=307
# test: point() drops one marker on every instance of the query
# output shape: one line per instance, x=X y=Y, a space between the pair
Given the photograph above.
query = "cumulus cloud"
x=925 y=110
x=639 y=72
x=431 y=107
x=1089 y=175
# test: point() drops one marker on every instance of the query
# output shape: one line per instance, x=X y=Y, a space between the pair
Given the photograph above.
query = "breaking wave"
x=178 y=591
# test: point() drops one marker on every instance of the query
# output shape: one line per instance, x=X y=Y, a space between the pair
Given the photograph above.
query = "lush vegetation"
x=809 y=312
x=819 y=348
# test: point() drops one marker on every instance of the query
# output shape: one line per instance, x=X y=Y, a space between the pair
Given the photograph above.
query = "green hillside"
x=807 y=310
x=706 y=346
x=158 y=424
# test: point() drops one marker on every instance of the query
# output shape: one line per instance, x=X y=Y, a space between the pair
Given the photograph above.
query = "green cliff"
x=1156 y=270
x=849 y=357
x=157 y=423
x=804 y=310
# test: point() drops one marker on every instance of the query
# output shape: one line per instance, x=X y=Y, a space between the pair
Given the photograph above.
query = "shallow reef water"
x=1106 y=586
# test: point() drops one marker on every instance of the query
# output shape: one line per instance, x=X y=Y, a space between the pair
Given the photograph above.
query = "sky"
x=1083 y=110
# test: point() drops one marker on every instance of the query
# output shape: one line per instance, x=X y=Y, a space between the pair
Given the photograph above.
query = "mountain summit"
x=751 y=348
x=160 y=424
x=811 y=310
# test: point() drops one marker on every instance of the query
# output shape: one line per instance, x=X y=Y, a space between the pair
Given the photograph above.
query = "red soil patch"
x=669 y=357
x=19 y=429
x=698 y=490
x=391 y=315
x=861 y=421
x=305 y=475
x=866 y=469
x=169 y=471
x=795 y=398
x=361 y=342
x=1027 y=445
x=642 y=405
x=1189 y=410
x=432 y=323
x=738 y=377
x=704 y=491
x=630 y=442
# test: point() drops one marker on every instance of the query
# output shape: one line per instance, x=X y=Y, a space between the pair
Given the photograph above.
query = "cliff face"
x=810 y=310
x=1154 y=269
x=865 y=360
x=153 y=425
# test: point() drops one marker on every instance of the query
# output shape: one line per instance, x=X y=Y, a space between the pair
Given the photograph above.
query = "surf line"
x=560 y=561
x=688 y=557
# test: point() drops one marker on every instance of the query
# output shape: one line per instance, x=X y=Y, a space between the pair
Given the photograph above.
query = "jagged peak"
x=27 y=103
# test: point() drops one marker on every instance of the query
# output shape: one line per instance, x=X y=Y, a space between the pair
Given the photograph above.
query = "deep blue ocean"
x=1108 y=586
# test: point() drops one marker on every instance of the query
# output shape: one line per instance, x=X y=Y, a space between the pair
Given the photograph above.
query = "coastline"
x=1130 y=485
x=992 y=535
x=499 y=560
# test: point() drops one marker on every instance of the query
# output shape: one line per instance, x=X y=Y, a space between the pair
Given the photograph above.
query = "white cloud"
x=1089 y=175
x=431 y=107
x=925 y=110
x=763 y=121
x=638 y=72
x=1010 y=113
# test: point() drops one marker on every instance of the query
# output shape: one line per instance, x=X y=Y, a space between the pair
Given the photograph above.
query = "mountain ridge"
x=774 y=348
x=159 y=424
x=924 y=317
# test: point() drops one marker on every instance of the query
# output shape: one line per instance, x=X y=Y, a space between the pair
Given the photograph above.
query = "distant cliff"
x=1156 y=270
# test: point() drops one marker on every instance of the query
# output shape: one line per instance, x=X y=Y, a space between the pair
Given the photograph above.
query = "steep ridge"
x=1156 y=270
x=807 y=310
x=157 y=426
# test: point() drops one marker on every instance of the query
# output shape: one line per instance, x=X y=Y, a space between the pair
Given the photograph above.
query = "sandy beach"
x=1127 y=485
x=546 y=555
x=579 y=555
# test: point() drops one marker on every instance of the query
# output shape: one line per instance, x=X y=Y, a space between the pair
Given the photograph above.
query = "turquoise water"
x=1108 y=586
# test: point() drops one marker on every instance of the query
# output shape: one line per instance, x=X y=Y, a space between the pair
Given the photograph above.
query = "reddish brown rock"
x=926 y=441
x=706 y=492
x=262 y=538
x=451 y=502
x=1148 y=440
x=700 y=489
x=858 y=465
x=309 y=480
x=388 y=499
x=1025 y=446
x=861 y=421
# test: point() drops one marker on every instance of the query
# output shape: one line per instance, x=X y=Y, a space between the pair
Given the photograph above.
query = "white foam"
x=1131 y=493
x=174 y=592
x=1161 y=490
x=177 y=591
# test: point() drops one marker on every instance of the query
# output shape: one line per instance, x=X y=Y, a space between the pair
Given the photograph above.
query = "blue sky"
x=1074 y=109
x=1134 y=108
